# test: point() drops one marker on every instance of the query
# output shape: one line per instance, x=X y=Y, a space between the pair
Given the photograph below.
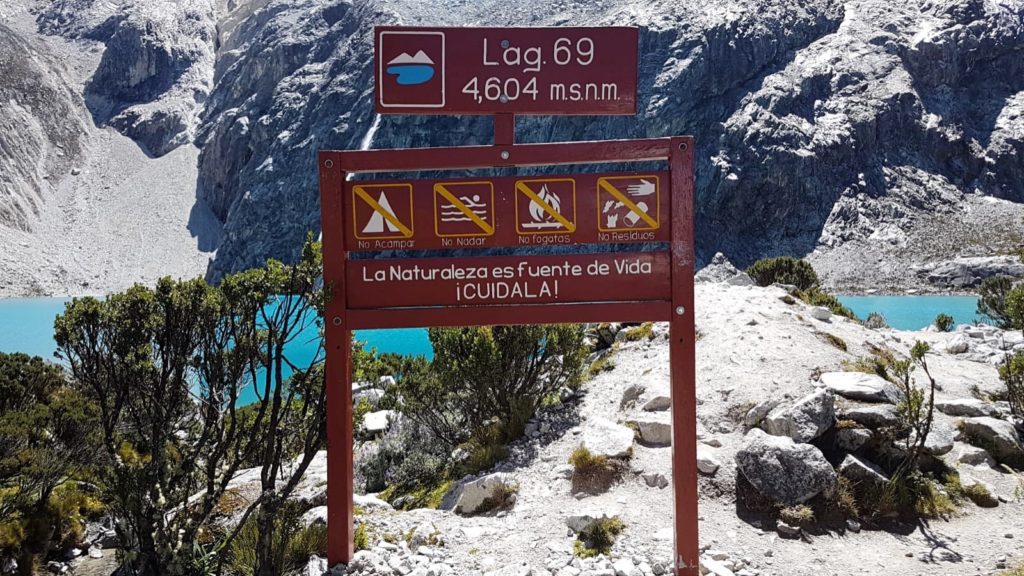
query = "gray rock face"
x=872 y=416
x=852 y=439
x=967 y=407
x=782 y=470
x=656 y=432
x=999 y=437
x=156 y=72
x=973 y=456
x=719 y=269
x=41 y=131
x=861 y=386
x=940 y=439
x=805 y=420
x=970 y=272
x=859 y=471
x=794 y=110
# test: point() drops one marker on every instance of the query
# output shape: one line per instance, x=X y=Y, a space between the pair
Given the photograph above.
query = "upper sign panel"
x=508 y=211
x=582 y=71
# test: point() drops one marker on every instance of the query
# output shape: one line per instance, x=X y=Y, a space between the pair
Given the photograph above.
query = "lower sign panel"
x=496 y=280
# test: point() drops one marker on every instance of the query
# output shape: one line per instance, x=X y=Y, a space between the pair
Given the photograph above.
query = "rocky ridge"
x=846 y=131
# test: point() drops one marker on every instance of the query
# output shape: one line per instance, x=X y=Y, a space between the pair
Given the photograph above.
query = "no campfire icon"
x=411 y=69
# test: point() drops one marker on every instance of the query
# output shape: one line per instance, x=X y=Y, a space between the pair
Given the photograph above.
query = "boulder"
x=654 y=432
x=655 y=480
x=379 y=421
x=426 y=534
x=659 y=400
x=625 y=567
x=959 y=344
x=721 y=270
x=999 y=437
x=877 y=416
x=602 y=437
x=370 y=501
x=852 y=439
x=974 y=456
x=862 y=471
x=713 y=567
x=631 y=395
x=821 y=313
x=805 y=420
x=970 y=407
x=480 y=495
x=940 y=439
x=313 y=516
x=706 y=461
x=785 y=471
x=585 y=519
x=755 y=415
x=861 y=386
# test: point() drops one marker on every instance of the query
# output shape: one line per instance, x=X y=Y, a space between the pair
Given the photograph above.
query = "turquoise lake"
x=26 y=325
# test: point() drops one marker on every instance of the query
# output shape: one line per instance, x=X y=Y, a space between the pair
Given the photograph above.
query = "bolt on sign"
x=578 y=247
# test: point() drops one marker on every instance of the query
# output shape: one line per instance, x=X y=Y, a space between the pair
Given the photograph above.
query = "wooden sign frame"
x=336 y=166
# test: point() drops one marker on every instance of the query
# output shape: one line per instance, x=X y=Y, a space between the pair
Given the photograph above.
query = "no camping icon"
x=382 y=211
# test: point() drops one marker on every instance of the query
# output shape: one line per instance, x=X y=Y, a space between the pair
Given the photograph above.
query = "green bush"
x=876 y=321
x=1015 y=308
x=486 y=373
x=817 y=297
x=784 y=270
x=1011 y=372
x=944 y=322
x=992 y=300
x=598 y=538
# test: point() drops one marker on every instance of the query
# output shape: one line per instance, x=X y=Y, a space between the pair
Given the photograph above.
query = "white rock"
x=370 y=501
x=96 y=553
x=316 y=566
x=974 y=456
x=656 y=432
x=471 y=497
x=378 y=421
x=709 y=566
x=602 y=437
x=706 y=461
x=967 y=407
x=625 y=567
x=959 y=344
x=861 y=386
x=805 y=420
x=821 y=313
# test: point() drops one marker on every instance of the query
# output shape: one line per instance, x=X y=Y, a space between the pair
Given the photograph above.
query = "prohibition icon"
x=546 y=206
x=382 y=211
x=463 y=209
x=628 y=203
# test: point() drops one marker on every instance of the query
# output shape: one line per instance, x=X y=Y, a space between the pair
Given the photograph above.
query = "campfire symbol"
x=541 y=217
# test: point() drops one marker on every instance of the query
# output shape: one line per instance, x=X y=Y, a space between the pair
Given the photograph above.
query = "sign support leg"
x=504 y=129
x=337 y=369
x=683 y=359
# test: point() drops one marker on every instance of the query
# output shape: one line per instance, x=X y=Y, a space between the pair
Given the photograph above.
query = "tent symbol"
x=377 y=222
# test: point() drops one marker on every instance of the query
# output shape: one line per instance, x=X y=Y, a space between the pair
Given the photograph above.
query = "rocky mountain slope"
x=847 y=131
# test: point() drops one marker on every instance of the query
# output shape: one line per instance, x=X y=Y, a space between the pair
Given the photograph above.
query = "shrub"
x=784 y=270
x=1015 y=308
x=406 y=457
x=992 y=299
x=799 y=515
x=361 y=540
x=817 y=297
x=604 y=363
x=593 y=474
x=598 y=538
x=1011 y=372
x=833 y=340
x=944 y=322
x=876 y=321
x=641 y=332
x=479 y=374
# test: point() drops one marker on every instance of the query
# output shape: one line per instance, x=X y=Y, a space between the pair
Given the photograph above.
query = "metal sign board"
x=581 y=71
x=531 y=288
x=604 y=208
x=405 y=283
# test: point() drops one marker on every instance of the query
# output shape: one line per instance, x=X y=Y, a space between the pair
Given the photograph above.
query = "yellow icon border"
x=482 y=233
x=519 y=230
x=657 y=202
x=355 y=213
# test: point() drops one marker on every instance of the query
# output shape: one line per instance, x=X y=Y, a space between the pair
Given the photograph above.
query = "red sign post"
x=528 y=211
